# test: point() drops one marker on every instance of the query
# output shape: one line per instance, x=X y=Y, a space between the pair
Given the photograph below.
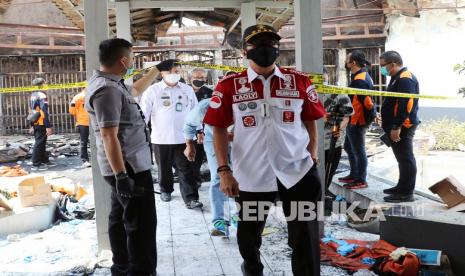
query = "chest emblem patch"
x=249 y=121
x=242 y=85
x=288 y=117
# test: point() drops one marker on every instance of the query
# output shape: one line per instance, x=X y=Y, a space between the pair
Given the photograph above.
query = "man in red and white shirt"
x=274 y=112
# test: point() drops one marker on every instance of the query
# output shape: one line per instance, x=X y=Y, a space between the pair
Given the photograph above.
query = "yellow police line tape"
x=317 y=79
x=45 y=87
x=321 y=88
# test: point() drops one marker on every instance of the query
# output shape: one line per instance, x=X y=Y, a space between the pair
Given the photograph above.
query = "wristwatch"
x=121 y=175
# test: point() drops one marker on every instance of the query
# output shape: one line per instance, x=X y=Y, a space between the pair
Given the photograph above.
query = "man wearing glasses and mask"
x=274 y=112
x=198 y=80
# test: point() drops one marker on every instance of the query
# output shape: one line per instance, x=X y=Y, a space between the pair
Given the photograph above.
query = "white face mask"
x=172 y=78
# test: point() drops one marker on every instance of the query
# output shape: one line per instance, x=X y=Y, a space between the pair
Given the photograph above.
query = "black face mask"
x=198 y=83
x=263 y=56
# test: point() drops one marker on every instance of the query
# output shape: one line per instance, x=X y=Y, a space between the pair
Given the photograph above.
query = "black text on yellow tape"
x=45 y=87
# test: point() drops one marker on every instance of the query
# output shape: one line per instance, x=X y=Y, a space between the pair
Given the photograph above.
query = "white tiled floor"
x=185 y=246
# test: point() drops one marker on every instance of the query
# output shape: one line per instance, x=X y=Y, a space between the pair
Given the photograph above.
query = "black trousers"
x=39 y=154
x=165 y=155
x=303 y=236
x=403 y=151
x=84 y=141
x=199 y=158
x=132 y=228
x=331 y=164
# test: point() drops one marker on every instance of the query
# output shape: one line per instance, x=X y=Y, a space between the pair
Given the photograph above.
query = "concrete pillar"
x=218 y=59
x=309 y=58
x=248 y=18
x=123 y=20
x=123 y=25
x=341 y=72
x=2 y=123
x=96 y=30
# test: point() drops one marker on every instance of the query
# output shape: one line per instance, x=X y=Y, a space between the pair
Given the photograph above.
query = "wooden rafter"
x=69 y=10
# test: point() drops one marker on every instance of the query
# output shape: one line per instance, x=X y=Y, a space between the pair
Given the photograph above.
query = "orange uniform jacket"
x=76 y=109
x=362 y=104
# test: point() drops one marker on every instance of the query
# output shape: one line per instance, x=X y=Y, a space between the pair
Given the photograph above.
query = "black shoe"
x=194 y=204
x=397 y=198
x=391 y=191
x=166 y=197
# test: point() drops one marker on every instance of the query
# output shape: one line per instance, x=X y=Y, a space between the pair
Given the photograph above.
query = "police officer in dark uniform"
x=400 y=120
x=123 y=155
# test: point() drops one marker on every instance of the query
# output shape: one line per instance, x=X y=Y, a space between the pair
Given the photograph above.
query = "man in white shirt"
x=166 y=104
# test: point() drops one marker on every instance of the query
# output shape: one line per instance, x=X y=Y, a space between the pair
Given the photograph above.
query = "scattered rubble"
x=6 y=171
x=12 y=153
x=18 y=148
x=70 y=247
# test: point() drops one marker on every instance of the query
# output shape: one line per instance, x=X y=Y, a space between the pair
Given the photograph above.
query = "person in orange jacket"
x=76 y=109
x=365 y=113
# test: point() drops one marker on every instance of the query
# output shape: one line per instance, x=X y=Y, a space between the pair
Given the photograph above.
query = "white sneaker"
x=41 y=167
x=86 y=164
x=51 y=164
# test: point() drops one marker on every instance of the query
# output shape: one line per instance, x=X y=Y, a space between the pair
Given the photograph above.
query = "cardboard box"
x=451 y=192
x=5 y=204
x=33 y=191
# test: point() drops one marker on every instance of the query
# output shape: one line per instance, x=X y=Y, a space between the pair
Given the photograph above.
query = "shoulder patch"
x=406 y=74
x=231 y=76
x=300 y=73
x=361 y=76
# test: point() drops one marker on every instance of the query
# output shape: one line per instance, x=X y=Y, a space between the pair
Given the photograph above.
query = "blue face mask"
x=384 y=71
x=130 y=70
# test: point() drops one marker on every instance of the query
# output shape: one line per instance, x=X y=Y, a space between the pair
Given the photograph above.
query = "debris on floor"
x=34 y=191
x=67 y=248
x=12 y=152
x=379 y=256
x=14 y=171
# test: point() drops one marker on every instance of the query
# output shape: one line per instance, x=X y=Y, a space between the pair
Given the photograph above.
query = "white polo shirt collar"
x=163 y=85
x=252 y=75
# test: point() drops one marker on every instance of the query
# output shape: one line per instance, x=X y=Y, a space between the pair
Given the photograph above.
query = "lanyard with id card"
x=178 y=107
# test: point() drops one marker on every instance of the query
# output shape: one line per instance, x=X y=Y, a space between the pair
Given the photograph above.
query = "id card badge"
x=179 y=107
x=265 y=110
